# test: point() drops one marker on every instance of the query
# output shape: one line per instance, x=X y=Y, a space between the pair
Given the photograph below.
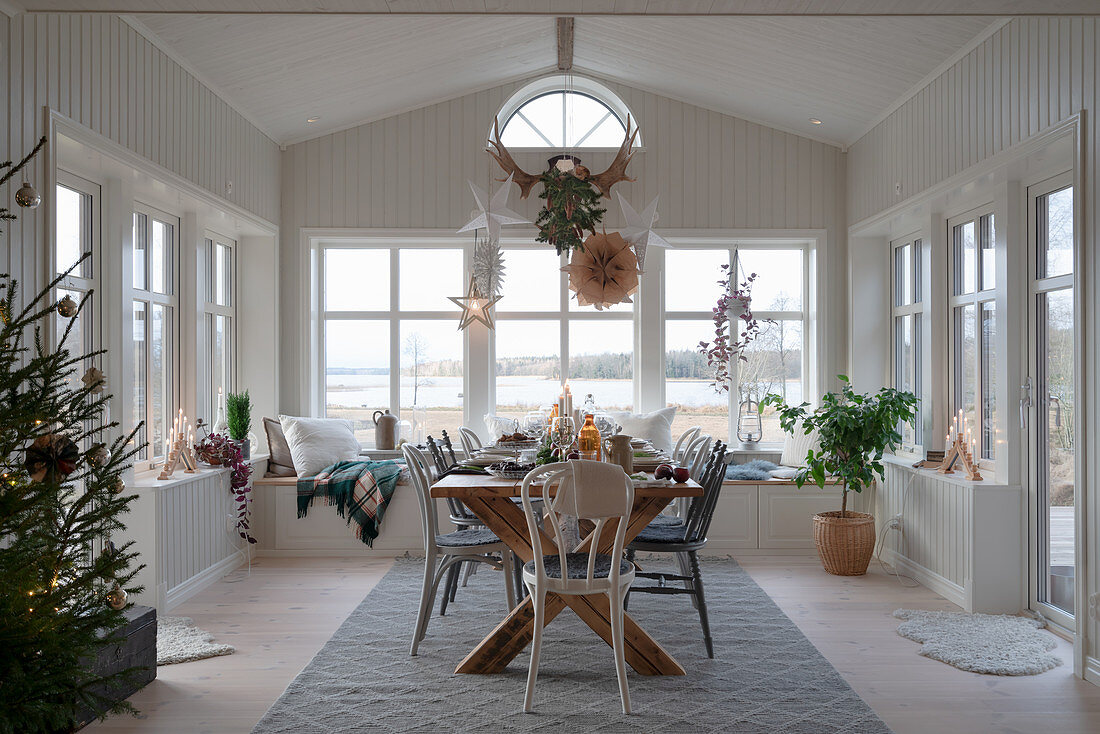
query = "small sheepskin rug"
x=180 y=641
x=981 y=643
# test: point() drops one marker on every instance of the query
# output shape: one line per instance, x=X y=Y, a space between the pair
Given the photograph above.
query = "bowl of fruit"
x=516 y=440
x=510 y=469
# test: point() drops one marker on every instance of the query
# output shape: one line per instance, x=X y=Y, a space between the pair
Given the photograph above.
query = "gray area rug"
x=766 y=676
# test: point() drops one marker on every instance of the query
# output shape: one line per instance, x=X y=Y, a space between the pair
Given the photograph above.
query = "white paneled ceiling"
x=282 y=70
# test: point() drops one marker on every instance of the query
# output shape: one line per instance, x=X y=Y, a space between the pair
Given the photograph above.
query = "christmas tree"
x=63 y=583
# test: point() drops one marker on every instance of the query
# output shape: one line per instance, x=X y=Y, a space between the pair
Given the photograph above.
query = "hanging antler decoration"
x=571 y=207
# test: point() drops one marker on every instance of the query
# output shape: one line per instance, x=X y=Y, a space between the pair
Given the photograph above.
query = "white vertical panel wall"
x=410 y=171
x=1025 y=78
x=103 y=74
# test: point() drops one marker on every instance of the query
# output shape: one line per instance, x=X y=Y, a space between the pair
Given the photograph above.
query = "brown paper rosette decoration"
x=604 y=272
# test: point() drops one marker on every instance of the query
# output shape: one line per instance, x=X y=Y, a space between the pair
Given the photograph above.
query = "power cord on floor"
x=895 y=523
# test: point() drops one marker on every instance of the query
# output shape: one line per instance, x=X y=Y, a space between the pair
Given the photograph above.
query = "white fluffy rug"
x=179 y=641
x=981 y=643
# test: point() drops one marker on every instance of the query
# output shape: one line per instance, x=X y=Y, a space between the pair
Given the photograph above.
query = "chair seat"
x=661 y=534
x=664 y=521
x=578 y=566
x=467 y=538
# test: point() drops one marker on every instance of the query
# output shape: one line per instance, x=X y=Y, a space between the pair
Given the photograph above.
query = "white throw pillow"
x=796 y=445
x=655 y=426
x=316 y=443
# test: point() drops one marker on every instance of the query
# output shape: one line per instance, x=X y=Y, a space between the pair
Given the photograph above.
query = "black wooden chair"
x=444 y=459
x=684 y=540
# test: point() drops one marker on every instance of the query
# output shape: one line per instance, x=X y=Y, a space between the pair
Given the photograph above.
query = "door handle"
x=1025 y=402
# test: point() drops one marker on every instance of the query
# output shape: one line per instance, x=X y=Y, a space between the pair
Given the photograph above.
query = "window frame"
x=90 y=281
x=212 y=309
x=802 y=315
x=913 y=443
x=170 y=301
x=978 y=299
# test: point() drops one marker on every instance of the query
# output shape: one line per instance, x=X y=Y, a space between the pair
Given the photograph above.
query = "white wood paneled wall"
x=100 y=72
x=410 y=171
x=1028 y=76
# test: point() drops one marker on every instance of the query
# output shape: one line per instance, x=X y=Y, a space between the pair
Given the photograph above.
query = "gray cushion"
x=578 y=566
x=280 y=463
x=664 y=521
x=661 y=534
x=467 y=538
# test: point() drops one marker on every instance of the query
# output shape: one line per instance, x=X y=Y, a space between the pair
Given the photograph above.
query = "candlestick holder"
x=179 y=449
x=959 y=453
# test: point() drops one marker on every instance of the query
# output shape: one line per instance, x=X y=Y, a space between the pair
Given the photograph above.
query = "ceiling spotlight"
x=813 y=121
x=313 y=119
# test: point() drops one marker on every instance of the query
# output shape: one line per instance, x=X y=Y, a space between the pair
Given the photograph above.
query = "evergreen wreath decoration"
x=572 y=208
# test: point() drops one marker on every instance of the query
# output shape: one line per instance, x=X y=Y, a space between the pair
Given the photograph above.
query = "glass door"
x=1050 y=400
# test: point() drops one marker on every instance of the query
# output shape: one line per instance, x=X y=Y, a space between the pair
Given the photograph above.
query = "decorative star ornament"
x=494 y=212
x=639 y=228
x=475 y=306
x=95 y=380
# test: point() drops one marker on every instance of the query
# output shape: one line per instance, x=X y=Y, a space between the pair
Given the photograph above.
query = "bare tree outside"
x=416 y=349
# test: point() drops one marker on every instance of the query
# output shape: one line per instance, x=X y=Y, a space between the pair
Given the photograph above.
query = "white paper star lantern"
x=494 y=212
x=475 y=306
x=639 y=228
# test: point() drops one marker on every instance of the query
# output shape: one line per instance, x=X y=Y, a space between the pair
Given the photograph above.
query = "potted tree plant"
x=238 y=408
x=854 y=431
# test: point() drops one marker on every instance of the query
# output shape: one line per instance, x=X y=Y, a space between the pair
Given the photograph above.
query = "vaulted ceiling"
x=282 y=70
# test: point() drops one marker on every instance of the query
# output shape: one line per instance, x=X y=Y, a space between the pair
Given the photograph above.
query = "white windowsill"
x=148 y=478
x=906 y=462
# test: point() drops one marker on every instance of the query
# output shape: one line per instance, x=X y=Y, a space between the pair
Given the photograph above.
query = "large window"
x=775 y=360
x=155 y=331
x=974 y=326
x=908 y=316
x=389 y=334
x=220 y=311
x=543 y=336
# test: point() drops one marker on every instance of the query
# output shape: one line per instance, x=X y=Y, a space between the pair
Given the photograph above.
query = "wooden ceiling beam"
x=565 y=44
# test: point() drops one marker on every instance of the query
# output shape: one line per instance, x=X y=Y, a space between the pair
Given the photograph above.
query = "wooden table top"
x=461 y=485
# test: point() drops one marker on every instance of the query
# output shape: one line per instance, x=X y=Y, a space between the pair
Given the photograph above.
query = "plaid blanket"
x=361 y=490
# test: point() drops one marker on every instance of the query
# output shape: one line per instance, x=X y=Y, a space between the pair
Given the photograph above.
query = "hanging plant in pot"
x=854 y=431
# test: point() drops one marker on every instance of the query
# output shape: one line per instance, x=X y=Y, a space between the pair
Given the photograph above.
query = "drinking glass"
x=562 y=434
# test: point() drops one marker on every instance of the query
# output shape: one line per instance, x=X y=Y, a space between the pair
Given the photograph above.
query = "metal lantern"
x=749 y=426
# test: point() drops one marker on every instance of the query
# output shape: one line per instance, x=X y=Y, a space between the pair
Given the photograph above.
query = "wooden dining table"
x=491 y=500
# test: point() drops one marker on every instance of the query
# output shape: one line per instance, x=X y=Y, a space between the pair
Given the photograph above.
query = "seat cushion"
x=578 y=566
x=664 y=521
x=467 y=538
x=661 y=534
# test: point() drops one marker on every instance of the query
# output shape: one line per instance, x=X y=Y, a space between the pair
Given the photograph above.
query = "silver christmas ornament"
x=119 y=486
x=27 y=196
x=99 y=455
x=116 y=597
x=68 y=306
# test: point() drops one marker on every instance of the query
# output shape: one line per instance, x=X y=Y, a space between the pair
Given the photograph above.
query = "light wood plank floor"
x=281 y=614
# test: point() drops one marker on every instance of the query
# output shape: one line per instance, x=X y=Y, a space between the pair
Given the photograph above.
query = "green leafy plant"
x=854 y=431
x=238 y=408
x=572 y=208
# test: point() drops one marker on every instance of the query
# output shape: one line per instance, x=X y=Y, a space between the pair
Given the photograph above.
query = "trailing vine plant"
x=572 y=208
x=219 y=450
x=730 y=344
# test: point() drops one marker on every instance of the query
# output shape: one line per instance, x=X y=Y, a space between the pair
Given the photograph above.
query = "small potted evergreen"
x=238 y=408
x=854 y=431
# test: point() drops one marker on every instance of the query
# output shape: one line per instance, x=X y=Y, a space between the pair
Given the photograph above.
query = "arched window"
x=559 y=112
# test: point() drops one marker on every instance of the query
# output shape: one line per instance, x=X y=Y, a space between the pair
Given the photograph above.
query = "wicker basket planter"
x=845 y=544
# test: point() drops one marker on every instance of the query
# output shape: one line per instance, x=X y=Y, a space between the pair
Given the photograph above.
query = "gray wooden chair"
x=443 y=459
x=685 y=540
x=442 y=553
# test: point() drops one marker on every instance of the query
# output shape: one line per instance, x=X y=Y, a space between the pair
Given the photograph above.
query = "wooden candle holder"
x=958 y=452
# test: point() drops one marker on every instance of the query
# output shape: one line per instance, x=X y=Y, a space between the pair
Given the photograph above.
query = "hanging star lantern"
x=639 y=228
x=475 y=306
x=494 y=211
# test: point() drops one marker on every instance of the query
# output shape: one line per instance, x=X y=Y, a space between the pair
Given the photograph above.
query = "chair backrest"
x=469 y=439
x=684 y=441
x=421 y=473
x=590 y=490
x=696 y=457
x=452 y=460
x=701 y=511
x=437 y=455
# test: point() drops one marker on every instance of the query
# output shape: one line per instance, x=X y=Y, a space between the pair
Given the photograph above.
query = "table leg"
x=512 y=635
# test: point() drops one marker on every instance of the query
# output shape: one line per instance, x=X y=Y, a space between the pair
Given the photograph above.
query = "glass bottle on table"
x=588 y=442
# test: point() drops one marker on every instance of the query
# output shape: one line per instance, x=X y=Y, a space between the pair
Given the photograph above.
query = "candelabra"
x=960 y=449
x=179 y=447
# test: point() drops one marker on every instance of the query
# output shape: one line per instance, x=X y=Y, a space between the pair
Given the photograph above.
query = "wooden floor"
x=280 y=614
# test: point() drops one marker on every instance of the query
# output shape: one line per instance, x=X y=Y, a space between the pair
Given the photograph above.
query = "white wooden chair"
x=479 y=545
x=684 y=441
x=588 y=490
x=696 y=460
x=469 y=439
